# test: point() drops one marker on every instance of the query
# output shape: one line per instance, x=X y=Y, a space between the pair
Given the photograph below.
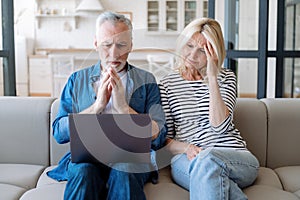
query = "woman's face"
x=193 y=52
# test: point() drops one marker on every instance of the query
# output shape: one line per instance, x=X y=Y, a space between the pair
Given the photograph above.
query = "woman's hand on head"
x=212 y=60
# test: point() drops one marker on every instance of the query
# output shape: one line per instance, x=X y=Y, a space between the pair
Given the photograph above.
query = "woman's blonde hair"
x=211 y=30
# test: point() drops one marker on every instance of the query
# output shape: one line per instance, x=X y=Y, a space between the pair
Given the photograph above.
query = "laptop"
x=110 y=138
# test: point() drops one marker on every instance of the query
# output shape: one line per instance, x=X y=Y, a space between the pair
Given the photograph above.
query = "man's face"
x=113 y=41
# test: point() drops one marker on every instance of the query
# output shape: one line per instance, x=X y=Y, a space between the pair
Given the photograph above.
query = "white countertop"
x=91 y=54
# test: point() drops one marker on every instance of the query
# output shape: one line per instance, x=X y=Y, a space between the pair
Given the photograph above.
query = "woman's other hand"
x=192 y=151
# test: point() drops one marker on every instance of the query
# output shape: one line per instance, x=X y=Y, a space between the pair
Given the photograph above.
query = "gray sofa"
x=271 y=128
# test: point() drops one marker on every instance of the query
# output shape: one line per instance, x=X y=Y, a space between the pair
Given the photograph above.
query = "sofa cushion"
x=11 y=192
x=21 y=175
x=49 y=187
x=297 y=193
x=165 y=191
x=267 y=176
x=264 y=192
x=47 y=192
x=24 y=123
x=290 y=177
x=165 y=175
x=46 y=180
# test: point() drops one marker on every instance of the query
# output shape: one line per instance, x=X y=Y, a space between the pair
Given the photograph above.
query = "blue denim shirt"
x=142 y=94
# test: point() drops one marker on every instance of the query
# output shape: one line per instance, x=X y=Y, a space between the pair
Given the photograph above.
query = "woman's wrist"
x=186 y=148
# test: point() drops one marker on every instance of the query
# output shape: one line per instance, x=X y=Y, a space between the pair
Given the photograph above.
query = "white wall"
x=24 y=21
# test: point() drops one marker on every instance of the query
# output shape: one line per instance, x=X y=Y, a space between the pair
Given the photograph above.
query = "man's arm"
x=60 y=125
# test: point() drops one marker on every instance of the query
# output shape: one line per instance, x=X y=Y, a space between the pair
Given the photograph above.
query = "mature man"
x=110 y=86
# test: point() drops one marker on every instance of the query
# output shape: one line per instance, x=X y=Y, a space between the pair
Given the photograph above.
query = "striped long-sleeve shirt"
x=186 y=105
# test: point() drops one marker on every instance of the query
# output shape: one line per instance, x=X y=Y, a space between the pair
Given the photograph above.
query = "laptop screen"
x=110 y=138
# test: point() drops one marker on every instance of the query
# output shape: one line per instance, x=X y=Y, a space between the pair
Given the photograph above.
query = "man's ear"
x=131 y=47
x=95 y=43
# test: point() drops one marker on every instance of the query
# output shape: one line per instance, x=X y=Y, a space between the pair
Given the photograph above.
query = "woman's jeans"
x=97 y=182
x=216 y=173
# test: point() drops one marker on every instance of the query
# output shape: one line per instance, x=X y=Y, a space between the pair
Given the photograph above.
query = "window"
x=8 y=51
x=262 y=35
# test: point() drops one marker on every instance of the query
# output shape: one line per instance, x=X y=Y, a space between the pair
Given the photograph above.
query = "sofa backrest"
x=24 y=130
x=271 y=128
x=250 y=118
x=283 y=132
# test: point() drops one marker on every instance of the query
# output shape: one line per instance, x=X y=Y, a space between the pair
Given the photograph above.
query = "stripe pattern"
x=186 y=105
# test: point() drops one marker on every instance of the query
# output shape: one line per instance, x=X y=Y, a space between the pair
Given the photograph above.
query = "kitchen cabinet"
x=171 y=16
x=62 y=67
x=50 y=72
x=153 y=16
x=40 y=76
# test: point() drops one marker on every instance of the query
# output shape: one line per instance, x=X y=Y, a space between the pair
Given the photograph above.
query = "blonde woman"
x=211 y=159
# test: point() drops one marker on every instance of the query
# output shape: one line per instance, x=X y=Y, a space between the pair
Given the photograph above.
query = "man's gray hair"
x=113 y=18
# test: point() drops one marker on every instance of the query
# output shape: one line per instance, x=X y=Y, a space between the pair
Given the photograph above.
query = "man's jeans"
x=89 y=181
x=216 y=173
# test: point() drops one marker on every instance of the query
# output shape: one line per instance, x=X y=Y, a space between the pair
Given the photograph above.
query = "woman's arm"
x=218 y=111
x=177 y=147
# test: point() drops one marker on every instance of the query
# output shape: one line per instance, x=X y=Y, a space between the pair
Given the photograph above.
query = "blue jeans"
x=96 y=182
x=128 y=186
x=216 y=173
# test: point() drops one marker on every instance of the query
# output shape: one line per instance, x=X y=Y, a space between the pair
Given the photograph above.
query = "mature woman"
x=210 y=156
